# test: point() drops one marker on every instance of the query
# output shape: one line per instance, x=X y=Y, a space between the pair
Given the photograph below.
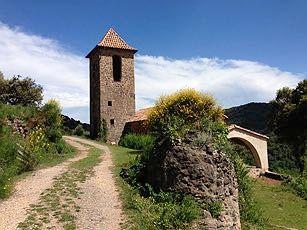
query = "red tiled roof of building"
x=112 y=40
x=140 y=115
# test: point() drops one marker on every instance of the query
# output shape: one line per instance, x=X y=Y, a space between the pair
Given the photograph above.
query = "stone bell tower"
x=112 y=88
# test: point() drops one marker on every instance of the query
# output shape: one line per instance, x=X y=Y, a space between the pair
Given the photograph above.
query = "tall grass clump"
x=137 y=141
x=297 y=184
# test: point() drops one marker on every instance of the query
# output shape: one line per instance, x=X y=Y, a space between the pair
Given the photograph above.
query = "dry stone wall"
x=201 y=172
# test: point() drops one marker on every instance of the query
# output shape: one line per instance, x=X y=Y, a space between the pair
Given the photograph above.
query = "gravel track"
x=27 y=191
x=100 y=204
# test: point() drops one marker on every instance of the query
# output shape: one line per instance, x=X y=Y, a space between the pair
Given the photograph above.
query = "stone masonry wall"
x=122 y=93
x=94 y=96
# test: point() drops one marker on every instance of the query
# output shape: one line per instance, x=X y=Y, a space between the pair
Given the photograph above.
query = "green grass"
x=280 y=206
x=89 y=161
x=50 y=160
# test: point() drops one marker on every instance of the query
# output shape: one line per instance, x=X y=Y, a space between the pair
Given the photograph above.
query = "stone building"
x=112 y=87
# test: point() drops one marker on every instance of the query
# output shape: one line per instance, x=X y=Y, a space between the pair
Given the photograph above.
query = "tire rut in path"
x=100 y=206
x=27 y=191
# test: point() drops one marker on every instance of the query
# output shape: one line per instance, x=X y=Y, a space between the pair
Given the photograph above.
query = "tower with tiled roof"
x=112 y=88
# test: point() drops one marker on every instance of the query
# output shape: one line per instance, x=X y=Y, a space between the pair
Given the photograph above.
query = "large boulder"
x=196 y=169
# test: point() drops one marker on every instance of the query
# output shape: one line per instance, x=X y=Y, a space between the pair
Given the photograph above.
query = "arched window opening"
x=117 y=68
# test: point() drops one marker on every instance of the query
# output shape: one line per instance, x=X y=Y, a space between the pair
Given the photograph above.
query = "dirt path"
x=28 y=190
x=100 y=207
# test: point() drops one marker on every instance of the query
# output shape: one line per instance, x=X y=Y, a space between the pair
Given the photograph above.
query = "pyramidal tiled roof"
x=112 y=40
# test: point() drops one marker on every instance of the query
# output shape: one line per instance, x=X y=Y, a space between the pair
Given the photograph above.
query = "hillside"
x=69 y=124
x=252 y=116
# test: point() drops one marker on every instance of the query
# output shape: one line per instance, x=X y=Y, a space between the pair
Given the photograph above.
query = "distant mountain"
x=253 y=116
x=69 y=124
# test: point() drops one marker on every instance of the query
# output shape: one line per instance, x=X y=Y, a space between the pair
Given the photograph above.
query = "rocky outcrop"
x=198 y=170
x=19 y=127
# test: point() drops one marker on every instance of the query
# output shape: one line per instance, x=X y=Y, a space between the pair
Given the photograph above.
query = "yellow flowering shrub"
x=33 y=148
x=178 y=112
x=37 y=139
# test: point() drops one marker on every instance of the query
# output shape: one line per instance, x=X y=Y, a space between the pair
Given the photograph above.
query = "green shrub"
x=31 y=149
x=137 y=141
x=281 y=155
x=177 y=214
x=298 y=185
x=42 y=144
x=103 y=132
x=250 y=213
x=9 y=165
x=215 y=208
x=52 y=120
x=79 y=131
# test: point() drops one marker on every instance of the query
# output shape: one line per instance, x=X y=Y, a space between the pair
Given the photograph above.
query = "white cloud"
x=231 y=82
x=64 y=75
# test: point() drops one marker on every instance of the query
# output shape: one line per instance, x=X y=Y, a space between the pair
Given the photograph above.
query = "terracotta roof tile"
x=112 y=40
x=140 y=115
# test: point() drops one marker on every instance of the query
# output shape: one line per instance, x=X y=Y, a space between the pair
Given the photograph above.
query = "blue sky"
x=260 y=37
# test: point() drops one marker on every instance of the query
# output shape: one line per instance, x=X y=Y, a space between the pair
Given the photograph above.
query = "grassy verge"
x=280 y=206
x=57 y=205
x=50 y=160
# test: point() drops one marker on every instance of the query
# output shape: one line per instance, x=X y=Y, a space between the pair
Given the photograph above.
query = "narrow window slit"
x=117 y=67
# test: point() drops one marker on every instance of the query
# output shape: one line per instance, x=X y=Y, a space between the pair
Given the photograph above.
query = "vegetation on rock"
x=179 y=114
x=175 y=114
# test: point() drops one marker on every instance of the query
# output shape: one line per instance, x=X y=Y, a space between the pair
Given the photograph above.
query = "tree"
x=288 y=120
x=52 y=120
x=79 y=131
x=20 y=91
